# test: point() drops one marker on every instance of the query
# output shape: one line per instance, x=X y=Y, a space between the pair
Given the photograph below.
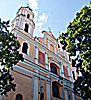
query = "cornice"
x=43 y=70
x=43 y=47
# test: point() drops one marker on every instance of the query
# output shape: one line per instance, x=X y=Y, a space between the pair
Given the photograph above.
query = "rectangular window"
x=41 y=58
x=65 y=71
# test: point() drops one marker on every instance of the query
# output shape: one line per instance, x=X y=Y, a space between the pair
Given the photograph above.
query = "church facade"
x=46 y=72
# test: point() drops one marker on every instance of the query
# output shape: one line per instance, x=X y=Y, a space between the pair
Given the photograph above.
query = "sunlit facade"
x=46 y=72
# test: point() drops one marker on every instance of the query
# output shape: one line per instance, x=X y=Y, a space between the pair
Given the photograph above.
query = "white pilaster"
x=16 y=24
x=28 y=51
x=62 y=70
x=66 y=94
x=55 y=49
x=31 y=16
x=26 y=12
x=19 y=21
x=69 y=73
x=73 y=96
x=36 y=88
x=46 y=60
x=62 y=92
x=48 y=44
x=45 y=40
x=23 y=24
x=36 y=57
x=49 y=66
x=22 y=10
x=30 y=29
x=48 y=90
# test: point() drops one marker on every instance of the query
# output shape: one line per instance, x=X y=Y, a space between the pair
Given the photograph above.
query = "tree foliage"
x=9 y=56
x=77 y=41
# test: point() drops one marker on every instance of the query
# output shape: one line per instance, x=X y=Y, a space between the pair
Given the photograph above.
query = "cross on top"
x=49 y=28
x=27 y=4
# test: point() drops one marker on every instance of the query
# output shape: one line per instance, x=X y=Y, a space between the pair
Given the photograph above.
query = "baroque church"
x=46 y=72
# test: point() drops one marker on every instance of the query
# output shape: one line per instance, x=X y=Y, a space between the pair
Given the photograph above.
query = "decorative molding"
x=40 y=46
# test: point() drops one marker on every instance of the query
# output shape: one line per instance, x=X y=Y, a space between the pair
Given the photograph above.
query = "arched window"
x=55 y=89
x=24 y=48
x=41 y=93
x=53 y=68
x=18 y=97
x=28 y=16
x=26 y=28
x=73 y=75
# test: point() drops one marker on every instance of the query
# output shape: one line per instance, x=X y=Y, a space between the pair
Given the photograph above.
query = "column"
x=36 y=88
x=49 y=66
x=26 y=12
x=31 y=29
x=55 y=49
x=48 y=44
x=69 y=73
x=28 y=51
x=19 y=21
x=16 y=24
x=48 y=90
x=23 y=23
x=67 y=56
x=73 y=96
x=36 y=56
x=66 y=94
x=46 y=60
x=44 y=40
x=22 y=10
x=62 y=91
x=62 y=70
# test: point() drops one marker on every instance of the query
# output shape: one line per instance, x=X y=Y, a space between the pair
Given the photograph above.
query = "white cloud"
x=43 y=17
x=39 y=21
x=34 y=4
x=35 y=16
x=39 y=24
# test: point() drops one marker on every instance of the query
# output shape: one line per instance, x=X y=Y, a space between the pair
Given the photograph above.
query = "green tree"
x=77 y=41
x=9 y=56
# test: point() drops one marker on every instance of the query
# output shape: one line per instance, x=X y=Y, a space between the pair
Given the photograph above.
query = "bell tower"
x=23 y=21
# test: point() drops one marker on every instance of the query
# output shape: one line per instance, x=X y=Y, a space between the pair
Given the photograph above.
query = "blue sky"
x=55 y=14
